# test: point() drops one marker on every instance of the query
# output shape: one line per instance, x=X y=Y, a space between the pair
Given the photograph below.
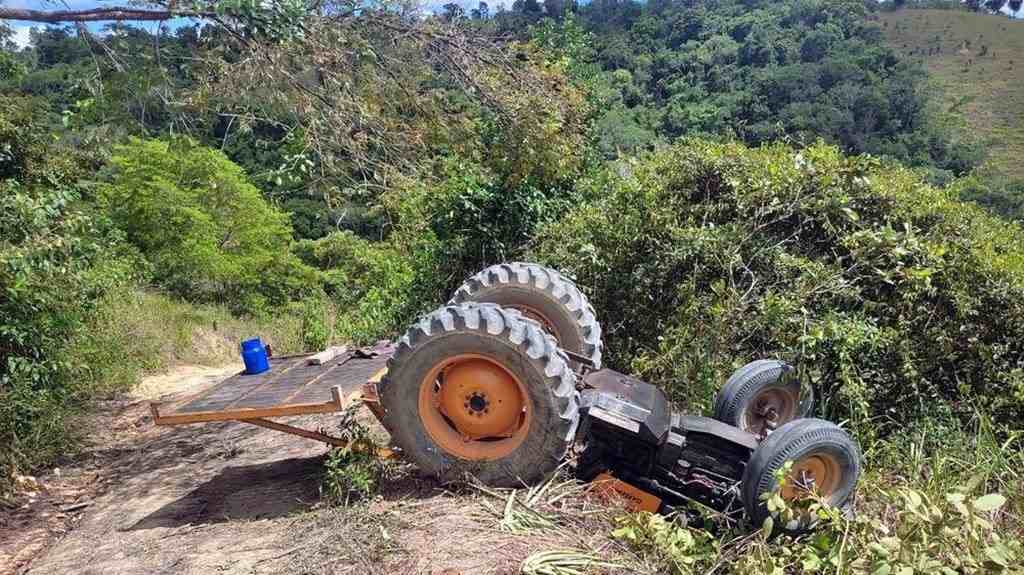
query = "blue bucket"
x=255 y=356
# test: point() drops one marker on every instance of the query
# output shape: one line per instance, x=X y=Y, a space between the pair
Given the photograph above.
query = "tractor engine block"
x=631 y=435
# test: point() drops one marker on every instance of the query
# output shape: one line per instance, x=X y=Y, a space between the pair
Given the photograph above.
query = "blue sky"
x=21 y=28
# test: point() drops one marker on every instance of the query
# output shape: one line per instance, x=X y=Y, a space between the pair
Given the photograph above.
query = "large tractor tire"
x=541 y=294
x=480 y=390
x=826 y=462
x=761 y=397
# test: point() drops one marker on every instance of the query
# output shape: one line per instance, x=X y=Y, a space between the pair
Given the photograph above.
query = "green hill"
x=978 y=62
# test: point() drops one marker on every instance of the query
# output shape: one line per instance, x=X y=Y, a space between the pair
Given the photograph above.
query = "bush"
x=354 y=472
x=1003 y=197
x=927 y=504
x=370 y=283
x=58 y=264
x=897 y=302
x=439 y=235
x=206 y=231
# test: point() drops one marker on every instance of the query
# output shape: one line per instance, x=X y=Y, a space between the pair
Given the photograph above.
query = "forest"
x=726 y=179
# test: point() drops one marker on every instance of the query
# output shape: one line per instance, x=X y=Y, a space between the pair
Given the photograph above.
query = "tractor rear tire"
x=763 y=385
x=542 y=294
x=820 y=451
x=485 y=343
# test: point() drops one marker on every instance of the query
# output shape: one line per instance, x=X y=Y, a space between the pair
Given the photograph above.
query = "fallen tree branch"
x=118 y=13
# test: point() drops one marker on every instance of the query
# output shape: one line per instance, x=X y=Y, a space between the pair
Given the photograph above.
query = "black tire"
x=797 y=441
x=523 y=348
x=735 y=401
x=541 y=293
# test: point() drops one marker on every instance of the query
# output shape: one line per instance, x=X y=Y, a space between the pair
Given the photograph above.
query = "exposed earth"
x=235 y=498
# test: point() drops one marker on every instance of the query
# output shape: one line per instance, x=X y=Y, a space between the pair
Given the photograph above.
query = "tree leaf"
x=767 y=527
x=989 y=502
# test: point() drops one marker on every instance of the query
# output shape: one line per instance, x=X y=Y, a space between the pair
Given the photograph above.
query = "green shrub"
x=441 y=234
x=370 y=284
x=206 y=231
x=675 y=548
x=903 y=522
x=354 y=472
x=897 y=301
x=316 y=328
x=58 y=264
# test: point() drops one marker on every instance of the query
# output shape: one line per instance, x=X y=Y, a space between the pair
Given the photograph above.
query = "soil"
x=235 y=498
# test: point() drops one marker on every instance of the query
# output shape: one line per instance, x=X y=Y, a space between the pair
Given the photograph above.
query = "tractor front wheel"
x=825 y=464
x=761 y=397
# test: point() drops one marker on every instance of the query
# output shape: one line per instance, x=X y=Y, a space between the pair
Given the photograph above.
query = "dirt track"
x=234 y=498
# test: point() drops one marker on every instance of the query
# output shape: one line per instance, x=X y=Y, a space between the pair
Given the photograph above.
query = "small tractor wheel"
x=825 y=462
x=481 y=390
x=541 y=294
x=761 y=397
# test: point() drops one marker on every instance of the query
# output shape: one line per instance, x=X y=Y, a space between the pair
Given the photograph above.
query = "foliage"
x=761 y=71
x=899 y=526
x=408 y=90
x=898 y=302
x=205 y=230
x=354 y=472
x=1005 y=198
x=370 y=284
x=677 y=548
x=59 y=261
x=316 y=321
x=953 y=533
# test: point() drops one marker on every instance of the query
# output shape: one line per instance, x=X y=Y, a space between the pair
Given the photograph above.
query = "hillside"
x=724 y=181
x=978 y=61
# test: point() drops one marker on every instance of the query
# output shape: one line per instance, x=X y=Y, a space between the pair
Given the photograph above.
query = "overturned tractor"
x=506 y=380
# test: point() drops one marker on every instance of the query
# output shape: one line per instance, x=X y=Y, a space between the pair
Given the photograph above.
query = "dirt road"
x=234 y=498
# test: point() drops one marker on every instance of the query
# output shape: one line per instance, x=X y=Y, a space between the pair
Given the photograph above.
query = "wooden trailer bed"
x=292 y=386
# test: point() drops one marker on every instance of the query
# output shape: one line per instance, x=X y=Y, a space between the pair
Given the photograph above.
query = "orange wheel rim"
x=538 y=317
x=474 y=408
x=771 y=408
x=818 y=473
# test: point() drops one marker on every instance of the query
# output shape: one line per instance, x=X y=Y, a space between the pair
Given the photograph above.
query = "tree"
x=453 y=12
x=481 y=12
x=270 y=19
x=206 y=231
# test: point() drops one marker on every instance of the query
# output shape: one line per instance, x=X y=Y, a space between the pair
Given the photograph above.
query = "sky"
x=21 y=29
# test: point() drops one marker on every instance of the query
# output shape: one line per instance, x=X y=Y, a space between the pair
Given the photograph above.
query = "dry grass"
x=418 y=526
x=987 y=89
x=164 y=332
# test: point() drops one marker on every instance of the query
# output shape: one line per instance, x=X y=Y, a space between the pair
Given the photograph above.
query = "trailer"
x=300 y=384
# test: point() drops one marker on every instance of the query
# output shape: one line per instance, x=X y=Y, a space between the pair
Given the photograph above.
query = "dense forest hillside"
x=762 y=71
x=726 y=179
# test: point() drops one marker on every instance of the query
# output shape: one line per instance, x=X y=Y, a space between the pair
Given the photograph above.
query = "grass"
x=977 y=61
x=158 y=332
x=132 y=333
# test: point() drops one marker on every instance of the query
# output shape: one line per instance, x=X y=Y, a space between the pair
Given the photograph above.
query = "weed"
x=562 y=562
x=354 y=472
x=677 y=548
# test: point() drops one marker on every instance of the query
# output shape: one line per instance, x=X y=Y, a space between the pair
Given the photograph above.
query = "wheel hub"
x=770 y=409
x=817 y=473
x=480 y=399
